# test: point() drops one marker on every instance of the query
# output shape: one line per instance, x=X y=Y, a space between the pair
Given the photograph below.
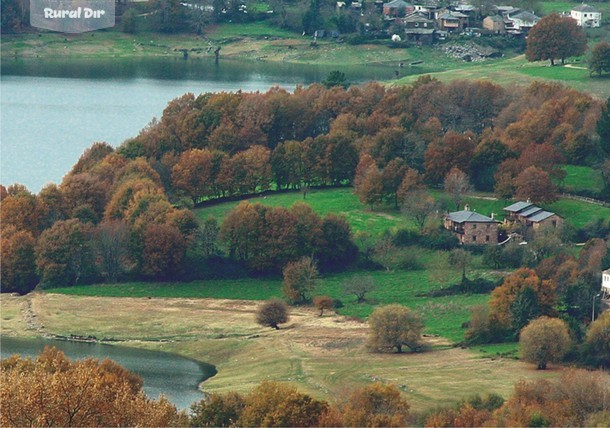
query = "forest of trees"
x=126 y=212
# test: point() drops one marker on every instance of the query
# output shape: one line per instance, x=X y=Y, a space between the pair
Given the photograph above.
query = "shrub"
x=272 y=313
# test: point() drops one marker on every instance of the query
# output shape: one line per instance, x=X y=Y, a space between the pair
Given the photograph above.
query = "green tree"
x=597 y=343
x=335 y=78
x=599 y=61
x=544 y=340
x=300 y=280
x=603 y=130
x=555 y=37
x=460 y=259
x=272 y=313
x=360 y=286
x=217 y=410
x=394 y=326
x=129 y=21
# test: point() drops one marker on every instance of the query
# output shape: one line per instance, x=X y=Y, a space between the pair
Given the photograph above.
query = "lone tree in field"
x=460 y=259
x=394 y=326
x=600 y=58
x=555 y=37
x=300 y=279
x=359 y=286
x=272 y=313
x=544 y=340
x=323 y=303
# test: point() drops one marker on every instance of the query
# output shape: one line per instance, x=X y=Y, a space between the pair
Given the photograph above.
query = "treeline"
x=93 y=393
x=125 y=213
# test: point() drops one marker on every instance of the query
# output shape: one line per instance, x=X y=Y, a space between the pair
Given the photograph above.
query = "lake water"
x=176 y=377
x=52 y=110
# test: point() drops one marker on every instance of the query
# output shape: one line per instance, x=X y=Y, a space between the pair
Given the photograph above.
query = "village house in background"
x=529 y=215
x=586 y=16
x=471 y=227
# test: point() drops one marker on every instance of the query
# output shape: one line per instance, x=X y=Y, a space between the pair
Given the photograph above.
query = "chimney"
x=466 y=207
x=493 y=215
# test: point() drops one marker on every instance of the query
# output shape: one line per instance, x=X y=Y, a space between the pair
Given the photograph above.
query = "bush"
x=272 y=313
x=405 y=238
x=544 y=340
x=440 y=239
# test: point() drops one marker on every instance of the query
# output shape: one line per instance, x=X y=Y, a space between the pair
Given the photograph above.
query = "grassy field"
x=579 y=178
x=324 y=356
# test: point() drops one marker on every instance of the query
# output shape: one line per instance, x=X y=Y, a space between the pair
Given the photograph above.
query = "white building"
x=606 y=284
x=586 y=16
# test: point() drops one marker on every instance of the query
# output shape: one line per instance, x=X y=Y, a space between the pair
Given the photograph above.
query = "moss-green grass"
x=579 y=178
x=579 y=213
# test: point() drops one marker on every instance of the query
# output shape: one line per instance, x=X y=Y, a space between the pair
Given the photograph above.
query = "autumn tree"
x=457 y=185
x=370 y=187
x=323 y=303
x=454 y=150
x=163 y=249
x=64 y=253
x=272 y=313
x=195 y=173
x=394 y=326
x=544 y=340
x=18 y=267
x=392 y=177
x=513 y=289
x=603 y=130
x=20 y=209
x=599 y=61
x=51 y=390
x=412 y=180
x=217 y=410
x=597 y=344
x=300 y=280
x=376 y=405
x=360 y=286
x=273 y=404
x=535 y=185
x=555 y=37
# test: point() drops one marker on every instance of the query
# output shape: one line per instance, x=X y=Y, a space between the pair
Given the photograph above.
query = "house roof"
x=416 y=17
x=397 y=4
x=452 y=15
x=542 y=215
x=584 y=8
x=470 y=217
x=518 y=206
x=524 y=16
x=530 y=211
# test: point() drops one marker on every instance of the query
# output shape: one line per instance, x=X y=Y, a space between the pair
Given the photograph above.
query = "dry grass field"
x=325 y=356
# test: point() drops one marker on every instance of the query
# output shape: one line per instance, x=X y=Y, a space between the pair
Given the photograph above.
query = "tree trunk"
x=542 y=365
x=552 y=62
x=399 y=347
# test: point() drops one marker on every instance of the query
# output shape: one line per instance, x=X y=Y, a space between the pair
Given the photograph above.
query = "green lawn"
x=252 y=29
x=579 y=213
x=579 y=178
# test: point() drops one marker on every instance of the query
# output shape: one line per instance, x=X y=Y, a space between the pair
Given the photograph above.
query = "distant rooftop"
x=469 y=216
x=518 y=206
x=585 y=8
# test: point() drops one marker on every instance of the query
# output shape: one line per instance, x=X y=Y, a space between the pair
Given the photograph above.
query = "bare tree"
x=419 y=207
x=457 y=184
x=272 y=313
x=359 y=285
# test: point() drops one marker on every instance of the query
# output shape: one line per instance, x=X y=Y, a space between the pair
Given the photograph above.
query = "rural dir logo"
x=72 y=16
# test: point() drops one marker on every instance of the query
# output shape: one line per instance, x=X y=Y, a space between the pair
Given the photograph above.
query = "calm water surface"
x=172 y=375
x=52 y=110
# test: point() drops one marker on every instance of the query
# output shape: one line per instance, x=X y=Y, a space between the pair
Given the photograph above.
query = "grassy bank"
x=323 y=356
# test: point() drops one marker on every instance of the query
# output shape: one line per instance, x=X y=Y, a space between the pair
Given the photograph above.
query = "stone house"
x=494 y=23
x=397 y=8
x=452 y=21
x=530 y=215
x=586 y=16
x=519 y=22
x=472 y=228
x=419 y=29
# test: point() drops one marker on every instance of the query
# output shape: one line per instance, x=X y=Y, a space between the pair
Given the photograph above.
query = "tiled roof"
x=584 y=8
x=469 y=216
x=543 y=215
x=397 y=3
x=524 y=16
x=530 y=211
x=518 y=206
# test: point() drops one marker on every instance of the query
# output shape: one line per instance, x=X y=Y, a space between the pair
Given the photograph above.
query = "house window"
x=487 y=238
x=554 y=223
x=474 y=226
x=474 y=238
x=488 y=226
